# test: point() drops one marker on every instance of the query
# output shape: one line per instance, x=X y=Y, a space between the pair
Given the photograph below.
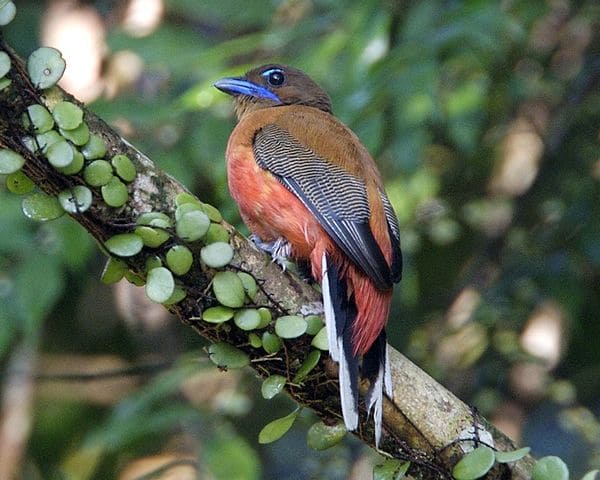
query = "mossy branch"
x=423 y=423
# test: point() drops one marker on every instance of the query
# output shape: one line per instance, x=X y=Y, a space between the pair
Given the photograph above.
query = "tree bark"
x=423 y=423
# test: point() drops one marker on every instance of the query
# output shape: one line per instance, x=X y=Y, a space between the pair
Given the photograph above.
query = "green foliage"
x=550 y=468
x=474 y=464
x=276 y=429
x=45 y=67
x=272 y=385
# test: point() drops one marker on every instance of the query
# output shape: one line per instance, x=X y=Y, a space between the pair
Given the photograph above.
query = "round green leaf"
x=76 y=199
x=19 y=183
x=247 y=318
x=474 y=464
x=60 y=154
x=254 y=340
x=212 y=212
x=114 y=269
x=216 y=255
x=78 y=135
x=187 y=207
x=272 y=386
x=40 y=118
x=4 y=64
x=94 y=148
x=314 y=324
x=177 y=296
x=76 y=164
x=185 y=197
x=45 y=66
x=512 y=456
x=227 y=356
x=115 y=193
x=250 y=285
x=67 y=115
x=218 y=314
x=550 y=468
x=216 y=233
x=8 y=10
x=124 y=167
x=10 y=161
x=271 y=343
x=179 y=258
x=228 y=289
x=125 y=244
x=44 y=140
x=290 y=326
x=154 y=219
x=320 y=340
x=192 y=225
x=98 y=173
x=265 y=317
x=153 y=261
x=307 y=366
x=322 y=437
x=152 y=237
x=41 y=207
x=277 y=428
x=159 y=284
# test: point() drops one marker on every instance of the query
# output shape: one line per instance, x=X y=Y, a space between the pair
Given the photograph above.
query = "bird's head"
x=271 y=86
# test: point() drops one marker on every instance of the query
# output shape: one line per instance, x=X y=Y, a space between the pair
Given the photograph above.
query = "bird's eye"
x=275 y=77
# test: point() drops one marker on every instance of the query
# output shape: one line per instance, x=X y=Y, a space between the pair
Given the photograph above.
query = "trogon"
x=308 y=190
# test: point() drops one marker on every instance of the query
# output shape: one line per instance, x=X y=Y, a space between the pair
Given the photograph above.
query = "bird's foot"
x=280 y=249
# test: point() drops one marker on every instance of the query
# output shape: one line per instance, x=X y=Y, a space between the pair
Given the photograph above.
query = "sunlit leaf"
x=272 y=385
x=159 y=284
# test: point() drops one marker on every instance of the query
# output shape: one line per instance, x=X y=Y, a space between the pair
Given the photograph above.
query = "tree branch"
x=423 y=423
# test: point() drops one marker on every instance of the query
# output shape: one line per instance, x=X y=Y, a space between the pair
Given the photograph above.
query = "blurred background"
x=484 y=117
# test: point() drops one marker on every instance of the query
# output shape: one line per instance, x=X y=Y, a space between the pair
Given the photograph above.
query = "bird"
x=309 y=191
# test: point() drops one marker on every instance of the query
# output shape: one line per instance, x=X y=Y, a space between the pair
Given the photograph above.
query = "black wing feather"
x=337 y=198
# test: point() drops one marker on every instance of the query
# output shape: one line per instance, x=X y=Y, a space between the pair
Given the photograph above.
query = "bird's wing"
x=394 y=231
x=335 y=197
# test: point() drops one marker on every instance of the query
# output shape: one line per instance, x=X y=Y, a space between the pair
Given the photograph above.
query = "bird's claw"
x=280 y=249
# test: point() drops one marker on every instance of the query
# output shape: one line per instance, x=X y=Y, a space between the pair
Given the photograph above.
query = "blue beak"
x=239 y=86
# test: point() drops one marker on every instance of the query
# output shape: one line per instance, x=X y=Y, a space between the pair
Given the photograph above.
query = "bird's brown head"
x=271 y=86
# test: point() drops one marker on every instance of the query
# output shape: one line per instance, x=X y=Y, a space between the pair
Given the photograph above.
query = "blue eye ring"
x=274 y=76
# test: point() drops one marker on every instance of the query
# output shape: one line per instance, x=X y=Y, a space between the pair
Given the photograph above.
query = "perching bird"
x=309 y=190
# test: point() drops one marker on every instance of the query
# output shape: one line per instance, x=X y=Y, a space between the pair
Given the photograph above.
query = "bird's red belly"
x=268 y=208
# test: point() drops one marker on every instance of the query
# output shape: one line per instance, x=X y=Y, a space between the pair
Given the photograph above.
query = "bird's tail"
x=376 y=368
x=340 y=316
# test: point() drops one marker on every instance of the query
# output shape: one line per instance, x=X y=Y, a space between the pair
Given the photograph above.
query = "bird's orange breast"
x=267 y=207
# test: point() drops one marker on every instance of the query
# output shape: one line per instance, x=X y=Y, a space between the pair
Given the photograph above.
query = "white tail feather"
x=387 y=379
x=375 y=402
x=334 y=350
x=347 y=396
